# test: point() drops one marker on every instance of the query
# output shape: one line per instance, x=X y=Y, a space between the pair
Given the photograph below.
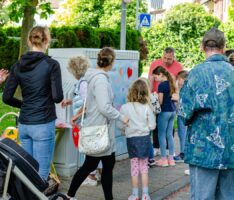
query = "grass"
x=9 y=120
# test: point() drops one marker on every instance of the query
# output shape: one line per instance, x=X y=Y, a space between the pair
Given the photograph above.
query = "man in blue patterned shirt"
x=207 y=105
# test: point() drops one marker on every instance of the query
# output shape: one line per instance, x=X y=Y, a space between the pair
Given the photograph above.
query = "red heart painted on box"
x=129 y=72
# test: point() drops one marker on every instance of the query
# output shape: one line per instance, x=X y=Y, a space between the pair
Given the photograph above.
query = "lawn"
x=9 y=120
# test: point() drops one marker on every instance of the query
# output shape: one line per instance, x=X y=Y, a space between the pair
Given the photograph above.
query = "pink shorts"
x=139 y=165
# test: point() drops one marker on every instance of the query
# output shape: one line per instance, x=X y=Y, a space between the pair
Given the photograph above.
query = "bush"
x=228 y=29
x=183 y=32
x=70 y=37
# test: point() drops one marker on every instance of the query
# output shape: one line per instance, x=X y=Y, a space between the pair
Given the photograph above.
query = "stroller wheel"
x=57 y=195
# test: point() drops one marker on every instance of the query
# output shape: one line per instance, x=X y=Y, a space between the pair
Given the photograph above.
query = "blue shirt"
x=207 y=105
x=167 y=105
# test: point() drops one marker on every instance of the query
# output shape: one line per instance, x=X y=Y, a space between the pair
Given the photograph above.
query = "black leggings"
x=90 y=164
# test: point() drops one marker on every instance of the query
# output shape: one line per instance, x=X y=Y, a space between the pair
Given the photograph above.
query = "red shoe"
x=162 y=163
x=171 y=162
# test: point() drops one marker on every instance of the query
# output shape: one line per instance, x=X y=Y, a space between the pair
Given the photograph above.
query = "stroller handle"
x=54 y=197
x=9 y=113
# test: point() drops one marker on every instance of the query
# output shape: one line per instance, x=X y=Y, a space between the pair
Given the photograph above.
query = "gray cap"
x=214 y=38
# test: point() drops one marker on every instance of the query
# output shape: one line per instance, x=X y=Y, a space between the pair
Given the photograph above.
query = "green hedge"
x=68 y=37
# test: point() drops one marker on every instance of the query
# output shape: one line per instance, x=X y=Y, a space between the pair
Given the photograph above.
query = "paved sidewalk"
x=162 y=182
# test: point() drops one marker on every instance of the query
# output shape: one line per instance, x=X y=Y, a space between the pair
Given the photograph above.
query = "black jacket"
x=39 y=78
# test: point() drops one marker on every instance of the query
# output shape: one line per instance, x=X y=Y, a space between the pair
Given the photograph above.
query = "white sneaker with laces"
x=89 y=182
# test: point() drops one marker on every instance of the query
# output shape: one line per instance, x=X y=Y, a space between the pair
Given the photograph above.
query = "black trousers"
x=90 y=164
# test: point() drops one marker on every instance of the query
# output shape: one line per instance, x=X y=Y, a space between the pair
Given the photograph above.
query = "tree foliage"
x=17 y=10
x=183 y=33
x=96 y=13
x=231 y=10
x=79 y=12
x=112 y=13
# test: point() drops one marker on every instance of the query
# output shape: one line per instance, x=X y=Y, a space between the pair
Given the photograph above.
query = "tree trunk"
x=27 y=24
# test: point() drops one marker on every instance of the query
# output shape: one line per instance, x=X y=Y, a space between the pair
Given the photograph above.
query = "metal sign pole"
x=123 y=27
x=137 y=14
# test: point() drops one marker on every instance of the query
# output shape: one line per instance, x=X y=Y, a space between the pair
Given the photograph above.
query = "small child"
x=166 y=90
x=141 y=122
x=182 y=75
x=78 y=67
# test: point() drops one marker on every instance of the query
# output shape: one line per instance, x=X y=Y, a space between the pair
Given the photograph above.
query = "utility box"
x=67 y=158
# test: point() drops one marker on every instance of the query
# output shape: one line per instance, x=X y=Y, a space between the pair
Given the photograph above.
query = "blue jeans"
x=38 y=141
x=151 y=151
x=211 y=184
x=181 y=132
x=165 y=131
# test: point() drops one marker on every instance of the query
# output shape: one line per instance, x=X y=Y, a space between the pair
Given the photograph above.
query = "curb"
x=170 y=189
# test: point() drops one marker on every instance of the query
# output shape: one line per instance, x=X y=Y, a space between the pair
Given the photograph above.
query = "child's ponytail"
x=162 y=70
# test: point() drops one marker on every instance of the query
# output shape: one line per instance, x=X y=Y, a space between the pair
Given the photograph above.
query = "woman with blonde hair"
x=39 y=78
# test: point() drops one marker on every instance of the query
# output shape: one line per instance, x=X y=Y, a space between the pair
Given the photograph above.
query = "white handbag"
x=93 y=139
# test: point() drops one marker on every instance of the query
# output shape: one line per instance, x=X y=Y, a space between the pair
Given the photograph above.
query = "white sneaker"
x=73 y=198
x=133 y=197
x=89 y=182
x=156 y=152
x=98 y=176
x=145 y=197
x=187 y=172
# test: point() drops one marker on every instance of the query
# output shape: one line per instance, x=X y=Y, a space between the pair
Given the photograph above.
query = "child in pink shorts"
x=141 y=122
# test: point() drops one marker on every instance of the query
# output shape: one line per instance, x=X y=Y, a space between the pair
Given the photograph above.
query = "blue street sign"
x=145 y=20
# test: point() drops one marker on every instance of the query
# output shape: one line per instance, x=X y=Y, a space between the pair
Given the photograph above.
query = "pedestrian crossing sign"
x=145 y=20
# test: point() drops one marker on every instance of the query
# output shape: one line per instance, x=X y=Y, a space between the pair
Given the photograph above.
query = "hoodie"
x=39 y=78
x=99 y=105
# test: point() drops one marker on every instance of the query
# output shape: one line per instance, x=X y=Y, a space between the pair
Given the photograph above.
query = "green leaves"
x=97 y=13
x=183 y=28
x=45 y=10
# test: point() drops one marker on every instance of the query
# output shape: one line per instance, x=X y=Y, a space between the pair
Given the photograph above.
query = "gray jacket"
x=99 y=105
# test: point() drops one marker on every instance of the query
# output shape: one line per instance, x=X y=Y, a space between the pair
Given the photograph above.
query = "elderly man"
x=168 y=62
x=207 y=105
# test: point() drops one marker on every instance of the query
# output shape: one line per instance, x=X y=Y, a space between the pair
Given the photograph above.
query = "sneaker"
x=156 y=152
x=133 y=197
x=89 y=182
x=145 y=197
x=162 y=163
x=73 y=198
x=187 y=172
x=151 y=162
x=171 y=162
x=98 y=176
x=178 y=159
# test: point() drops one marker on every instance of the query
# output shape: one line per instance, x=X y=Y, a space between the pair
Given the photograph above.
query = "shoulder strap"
x=82 y=118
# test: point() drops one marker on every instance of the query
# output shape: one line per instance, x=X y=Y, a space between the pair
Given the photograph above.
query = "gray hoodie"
x=99 y=105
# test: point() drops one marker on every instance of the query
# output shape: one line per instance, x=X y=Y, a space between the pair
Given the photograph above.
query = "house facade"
x=219 y=8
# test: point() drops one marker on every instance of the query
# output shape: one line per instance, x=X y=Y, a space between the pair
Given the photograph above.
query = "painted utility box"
x=125 y=70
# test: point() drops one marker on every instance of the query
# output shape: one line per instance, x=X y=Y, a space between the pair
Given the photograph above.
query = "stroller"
x=19 y=178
